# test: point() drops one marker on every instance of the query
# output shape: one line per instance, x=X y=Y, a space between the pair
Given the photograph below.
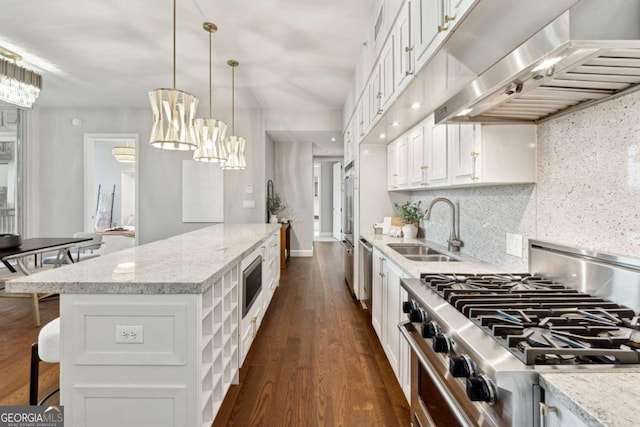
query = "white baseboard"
x=300 y=253
x=326 y=234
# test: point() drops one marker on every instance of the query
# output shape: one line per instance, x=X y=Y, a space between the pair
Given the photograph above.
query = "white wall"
x=587 y=193
x=294 y=183
x=54 y=189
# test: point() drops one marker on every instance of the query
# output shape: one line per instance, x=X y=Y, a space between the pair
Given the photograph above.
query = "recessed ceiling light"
x=415 y=105
x=333 y=139
x=395 y=124
x=464 y=112
x=547 y=63
x=383 y=136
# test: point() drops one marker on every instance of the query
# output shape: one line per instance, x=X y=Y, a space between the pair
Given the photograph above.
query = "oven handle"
x=459 y=414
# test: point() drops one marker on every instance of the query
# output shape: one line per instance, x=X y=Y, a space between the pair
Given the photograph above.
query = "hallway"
x=316 y=359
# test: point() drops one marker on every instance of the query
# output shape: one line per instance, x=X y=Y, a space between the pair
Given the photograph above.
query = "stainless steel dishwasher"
x=367 y=272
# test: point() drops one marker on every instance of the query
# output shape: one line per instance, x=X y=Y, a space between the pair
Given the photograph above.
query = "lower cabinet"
x=555 y=414
x=250 y=322
x=386 y=314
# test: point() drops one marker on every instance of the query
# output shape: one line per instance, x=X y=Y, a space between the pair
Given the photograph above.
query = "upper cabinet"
x=403 y=39
x=428 y=28
x=387 y=80
x=463 y=155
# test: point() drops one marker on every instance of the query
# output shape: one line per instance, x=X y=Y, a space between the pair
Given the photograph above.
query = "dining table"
x=34 y=247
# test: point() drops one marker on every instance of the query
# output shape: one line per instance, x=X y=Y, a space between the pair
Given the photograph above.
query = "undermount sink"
x=420 y=253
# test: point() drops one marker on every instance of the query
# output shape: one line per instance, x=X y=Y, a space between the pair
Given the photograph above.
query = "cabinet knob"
x=424 y=167
x=408 y=48
x=408 y=73
x=475 y=154
x=424 y=184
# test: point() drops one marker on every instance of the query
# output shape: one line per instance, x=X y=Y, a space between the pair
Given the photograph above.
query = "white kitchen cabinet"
x=392 y=165
x=348 y=142
x=415 y=164
x=386 y=313
x=438 y=161
x=428 y=29
x=363 y=116
x=375 y=95
x=403 y=39
x=393 y=309
x=403 y=158
x=492 y=154
x=377 y=293
x=432 y=21
x=387 y=79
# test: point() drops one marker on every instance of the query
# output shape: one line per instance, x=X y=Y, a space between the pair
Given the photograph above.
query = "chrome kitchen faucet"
x=454 y=241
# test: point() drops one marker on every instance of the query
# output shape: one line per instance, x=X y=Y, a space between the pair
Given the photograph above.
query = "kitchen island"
x=150 y=336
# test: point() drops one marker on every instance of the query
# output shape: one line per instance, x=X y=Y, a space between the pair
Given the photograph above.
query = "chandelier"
x=124 y=154
x=234 y=144
x=173 y=112
x=18 y=85
x=210 y=132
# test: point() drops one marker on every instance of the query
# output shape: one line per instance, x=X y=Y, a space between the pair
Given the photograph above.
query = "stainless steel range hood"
x=588 y=54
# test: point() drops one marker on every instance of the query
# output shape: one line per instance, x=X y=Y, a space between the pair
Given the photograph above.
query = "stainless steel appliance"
x=251 y=284
x=366 y=251
x=347 y=226
x=479 y=342
x=578 y=59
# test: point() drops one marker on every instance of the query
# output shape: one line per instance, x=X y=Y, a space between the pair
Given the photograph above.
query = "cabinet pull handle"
x=442 y=29
x=425 y=179
x=474 y=157
x=448 y=18
x=408 y=73
x=544 y=410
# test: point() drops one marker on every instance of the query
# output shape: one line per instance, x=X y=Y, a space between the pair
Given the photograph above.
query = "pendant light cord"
x=210 y=87
x=233 y=100
x=174 y=44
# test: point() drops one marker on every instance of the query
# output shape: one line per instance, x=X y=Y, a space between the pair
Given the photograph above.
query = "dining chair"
x=47 y=349
x=80 y=252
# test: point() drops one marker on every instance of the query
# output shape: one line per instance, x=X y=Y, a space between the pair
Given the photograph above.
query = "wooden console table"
x=285 y=244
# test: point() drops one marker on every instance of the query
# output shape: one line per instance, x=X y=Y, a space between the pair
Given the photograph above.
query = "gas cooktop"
x=543 y=322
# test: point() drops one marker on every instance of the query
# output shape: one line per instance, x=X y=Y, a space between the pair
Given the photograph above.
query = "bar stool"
x=47 y=349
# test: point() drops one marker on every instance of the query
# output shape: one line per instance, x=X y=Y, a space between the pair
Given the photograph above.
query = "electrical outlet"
x=249 y=204
x=129 y=334
x=514 y=245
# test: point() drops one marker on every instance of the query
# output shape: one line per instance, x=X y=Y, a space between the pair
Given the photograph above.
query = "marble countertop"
x=466 y=265
x=184 y=264
x=597 y=398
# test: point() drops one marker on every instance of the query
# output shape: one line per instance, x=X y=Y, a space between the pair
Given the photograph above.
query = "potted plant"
x=275 y=206
x=410 y=214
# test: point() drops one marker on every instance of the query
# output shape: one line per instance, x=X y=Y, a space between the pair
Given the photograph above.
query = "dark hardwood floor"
x=17 y=333
x=316 y=359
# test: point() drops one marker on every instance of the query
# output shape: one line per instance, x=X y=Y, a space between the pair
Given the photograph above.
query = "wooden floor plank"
x=316 y=359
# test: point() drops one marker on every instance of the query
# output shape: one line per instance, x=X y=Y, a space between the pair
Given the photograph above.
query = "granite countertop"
x=466 y=265
x=185 y=264
x=597 y=398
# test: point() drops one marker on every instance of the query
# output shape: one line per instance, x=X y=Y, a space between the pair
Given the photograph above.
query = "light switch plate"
x=249 y=204
x=514 y=245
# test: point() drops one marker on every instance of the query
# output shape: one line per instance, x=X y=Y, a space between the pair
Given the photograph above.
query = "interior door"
x=337 y=200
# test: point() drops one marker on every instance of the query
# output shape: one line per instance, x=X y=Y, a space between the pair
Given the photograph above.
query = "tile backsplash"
x=587 y=192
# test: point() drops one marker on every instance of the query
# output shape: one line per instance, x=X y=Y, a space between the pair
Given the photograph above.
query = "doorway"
x=111 y=189
x=323 y=200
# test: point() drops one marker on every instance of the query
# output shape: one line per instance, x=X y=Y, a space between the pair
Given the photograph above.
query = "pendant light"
x=18 y=86
x=124 y=154
x=210 y=132
x=173 y=112
x=234 y=144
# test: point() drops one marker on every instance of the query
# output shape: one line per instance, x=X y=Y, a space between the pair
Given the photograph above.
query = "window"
x=10 y=171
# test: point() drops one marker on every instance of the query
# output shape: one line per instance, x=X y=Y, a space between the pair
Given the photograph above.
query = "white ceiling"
x=293 y=54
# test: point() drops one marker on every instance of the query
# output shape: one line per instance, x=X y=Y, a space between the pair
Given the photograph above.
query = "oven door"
x=437 y=399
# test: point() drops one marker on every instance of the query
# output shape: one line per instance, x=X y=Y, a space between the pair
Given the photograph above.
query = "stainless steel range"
x=479 y=341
